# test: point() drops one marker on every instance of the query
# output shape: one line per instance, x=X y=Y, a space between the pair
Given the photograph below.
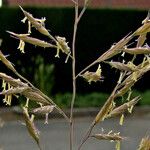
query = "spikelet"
x=122 y=66
x=44 y=110
x=123 y=90
x=34 y=133
x=109 y=136
x=141 y=40
x=115 y=49
x=93 y=76
x=17 y=90
x=13 y=82
x=62 y=45
x=34 y=41
x=124 y=107
x=36 y=23
x=137 y=50
x=105 y=110
x=144 y=29
x=23 y=89
x=6 y=62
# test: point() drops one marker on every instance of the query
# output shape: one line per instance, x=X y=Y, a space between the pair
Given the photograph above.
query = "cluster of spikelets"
x=130 y=73
x=57 y=42
x=21 y=86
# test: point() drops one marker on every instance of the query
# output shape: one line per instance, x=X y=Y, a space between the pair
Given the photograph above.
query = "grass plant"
x=130 y=73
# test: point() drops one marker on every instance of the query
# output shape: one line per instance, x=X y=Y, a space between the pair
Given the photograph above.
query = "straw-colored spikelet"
x=137 y=50
x=126 y=87
x=141 y=40
x=6 y=62
x=30 y=40
x=93 y=76
x=144 y=144
x=122 y=66
x=36 y=23
x=135 y=76
x=62 y=45
x=23 y=89
x=31 y=126
x=35 y=96
x=105 y=110
x=121 y=109
x=13 y=82
x=115 y=49
x=44 y=110
x=17 y=90
x=109 y=137
x=145 y=28
x=131 y=80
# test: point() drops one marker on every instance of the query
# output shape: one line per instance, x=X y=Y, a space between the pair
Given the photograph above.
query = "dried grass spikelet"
x=115 y=49
x=93 y=76
x=30 y=40
x=44 y=110
x=6 y=62
x=141 y=40
x=144 y=144
x=36 y=23
x=17 y=90
x=126 y=87
x=122 y=66
x=105 y=110
x=13 y=82
x=109 y=136
x=136 y=75
x=145 y=28
x=23 y=89
x=124 y=107
x=62 y=45
x=35 y=96
x=131 y=80
x=34 y=133
x=137 y=50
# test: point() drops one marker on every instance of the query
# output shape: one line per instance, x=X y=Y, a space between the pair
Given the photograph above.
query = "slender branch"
x=89 y=131
x=81 y=13
x=73 y=75
x=87 y=135
x=77 y=19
